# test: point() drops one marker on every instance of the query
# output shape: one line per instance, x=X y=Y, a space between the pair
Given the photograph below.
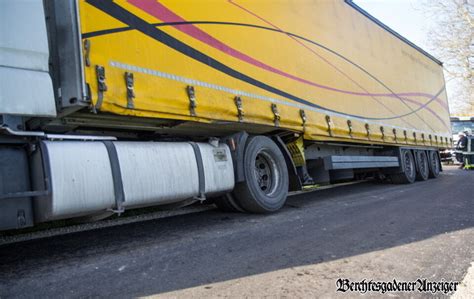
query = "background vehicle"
x=461 y=124
x=458 y=124
x=114 y=105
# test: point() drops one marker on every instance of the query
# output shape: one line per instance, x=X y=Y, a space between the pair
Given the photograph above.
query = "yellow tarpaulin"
x=318 y=67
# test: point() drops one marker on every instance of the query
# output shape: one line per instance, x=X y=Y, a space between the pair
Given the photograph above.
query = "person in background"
x=467 y=133
x=460 y=147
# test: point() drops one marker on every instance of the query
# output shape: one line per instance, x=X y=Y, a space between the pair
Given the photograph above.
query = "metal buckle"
x=192 y=100
x=240 y=109
x=130 y=93
x=276 y=115
x=101 y=86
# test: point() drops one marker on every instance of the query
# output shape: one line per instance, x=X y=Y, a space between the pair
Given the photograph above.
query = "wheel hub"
x=266 y=173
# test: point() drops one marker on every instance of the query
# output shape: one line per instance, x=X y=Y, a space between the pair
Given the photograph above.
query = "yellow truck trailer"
x=113 y=105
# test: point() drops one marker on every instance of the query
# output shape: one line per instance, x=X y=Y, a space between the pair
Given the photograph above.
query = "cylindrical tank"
x=82 y=179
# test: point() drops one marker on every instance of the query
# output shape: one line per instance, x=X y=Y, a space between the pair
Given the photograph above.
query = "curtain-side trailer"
x=113 y=105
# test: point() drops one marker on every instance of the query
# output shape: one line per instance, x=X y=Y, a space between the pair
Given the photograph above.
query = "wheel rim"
x=266 y=173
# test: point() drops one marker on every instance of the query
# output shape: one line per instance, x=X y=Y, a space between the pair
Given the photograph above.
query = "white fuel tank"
x=83 y=180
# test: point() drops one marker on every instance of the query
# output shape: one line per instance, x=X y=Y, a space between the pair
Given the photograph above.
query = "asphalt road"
x=364 y=231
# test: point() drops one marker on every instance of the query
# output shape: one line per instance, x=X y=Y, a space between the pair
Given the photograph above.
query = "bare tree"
x=451 y=38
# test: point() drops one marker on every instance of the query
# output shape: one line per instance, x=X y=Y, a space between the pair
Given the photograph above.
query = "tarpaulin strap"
x=101 y=86
x=129 y=81
x=116 y=176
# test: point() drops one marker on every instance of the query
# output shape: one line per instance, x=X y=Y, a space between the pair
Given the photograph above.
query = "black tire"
x=408 y=176
x=434 y=165
x=227 y=203
x=422 y=171
x=266 y=177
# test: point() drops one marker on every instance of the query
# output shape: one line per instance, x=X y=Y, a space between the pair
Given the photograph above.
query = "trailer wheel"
x=434 y=167
x=408 y=175
x=423 y=171
x=266 y=177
